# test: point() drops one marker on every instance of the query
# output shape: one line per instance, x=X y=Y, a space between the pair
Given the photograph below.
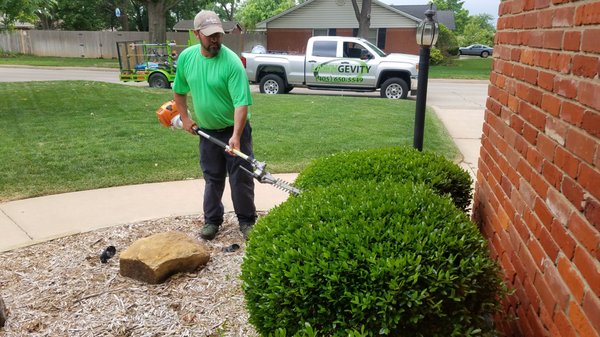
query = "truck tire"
x=289 y=88
x=394 y=88
x=272 y=84
x=159 y=80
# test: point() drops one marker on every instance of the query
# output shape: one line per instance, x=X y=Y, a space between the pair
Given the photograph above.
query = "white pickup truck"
x=336 y=63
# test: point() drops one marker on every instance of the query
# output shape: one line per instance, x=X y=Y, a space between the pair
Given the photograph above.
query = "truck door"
x=318 y=62
x=346 y=64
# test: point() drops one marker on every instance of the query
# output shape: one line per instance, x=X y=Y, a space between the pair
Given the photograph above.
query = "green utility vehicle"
x=151 y=62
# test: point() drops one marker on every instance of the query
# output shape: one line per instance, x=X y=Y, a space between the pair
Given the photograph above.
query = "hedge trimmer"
x=168 y=116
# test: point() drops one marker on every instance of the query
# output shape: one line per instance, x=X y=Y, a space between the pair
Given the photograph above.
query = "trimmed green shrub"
x=364 y=258
x=436 y=56
x=401 y=164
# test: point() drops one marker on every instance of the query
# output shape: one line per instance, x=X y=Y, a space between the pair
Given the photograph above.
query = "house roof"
x=444 y=17
x=413 y=12
x=185 y=25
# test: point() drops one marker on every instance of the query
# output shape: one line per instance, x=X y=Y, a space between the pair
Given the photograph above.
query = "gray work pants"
x=216 y=164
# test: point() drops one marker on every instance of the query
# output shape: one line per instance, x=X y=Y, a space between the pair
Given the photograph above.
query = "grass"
x=76 y=135
x=472 y=68
x=48 y=61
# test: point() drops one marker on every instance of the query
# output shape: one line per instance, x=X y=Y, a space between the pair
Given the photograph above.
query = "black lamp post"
x=427 y=34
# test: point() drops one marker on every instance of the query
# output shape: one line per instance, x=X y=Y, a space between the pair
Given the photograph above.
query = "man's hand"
x=234 y=144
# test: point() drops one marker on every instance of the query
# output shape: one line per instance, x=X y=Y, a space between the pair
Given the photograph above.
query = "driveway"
x=460 y=104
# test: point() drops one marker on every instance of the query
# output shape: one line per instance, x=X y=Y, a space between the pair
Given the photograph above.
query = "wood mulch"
x=60 y=287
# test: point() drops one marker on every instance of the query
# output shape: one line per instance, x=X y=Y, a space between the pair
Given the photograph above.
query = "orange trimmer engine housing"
x=167 y=112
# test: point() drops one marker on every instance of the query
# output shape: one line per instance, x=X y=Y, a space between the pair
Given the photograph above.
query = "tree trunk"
x=363 y=16
x=157 y=21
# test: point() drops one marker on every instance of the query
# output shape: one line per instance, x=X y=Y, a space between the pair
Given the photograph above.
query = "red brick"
x=530 y=133
x=572 y=113
x=563 y=17
x=542 y=211
x=552 y=174
x=588 y=14
x=591 y=308
x=531 y=75
x=565 y=329
x=544 y=18
x=586 y=66
x=572 y=41
x=543 y=59
x=551 y=104
x=589 y=93
x=589 y=267
x=560 y=207
x=580 y=321
x=591 y=123
x=590 y=41
x=592 y=212
x=585 y=233
x=571 y=277
x=565 y=87
x=546 y=80
x=567 y=162
x=564 y=239
x=556 y=130
x=581 y=144
x=531 y=114
x=542 y=4
x=561 y=62
x=556 y=2
x=589 y=179
x=573 y=192
x=546 y=146
x=535 y=159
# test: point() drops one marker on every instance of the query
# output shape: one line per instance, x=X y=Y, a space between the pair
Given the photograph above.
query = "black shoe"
x=209 y=231
x=246 y=228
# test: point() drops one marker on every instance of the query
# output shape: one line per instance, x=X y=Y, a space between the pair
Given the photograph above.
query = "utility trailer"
x=155 y=63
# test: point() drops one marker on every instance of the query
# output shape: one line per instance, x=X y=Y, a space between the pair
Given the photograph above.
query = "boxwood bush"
x=401 y=164
x=362 y=258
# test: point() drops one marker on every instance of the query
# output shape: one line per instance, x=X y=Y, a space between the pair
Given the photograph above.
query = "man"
x=217 y=81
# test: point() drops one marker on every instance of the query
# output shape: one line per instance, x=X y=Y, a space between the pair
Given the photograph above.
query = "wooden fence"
x=101 y=44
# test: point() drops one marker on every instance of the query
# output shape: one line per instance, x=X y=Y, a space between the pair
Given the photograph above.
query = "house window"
x=371 y=35
x=324 y=48
x=381 y=38
x=324 y=32
x=319 y=32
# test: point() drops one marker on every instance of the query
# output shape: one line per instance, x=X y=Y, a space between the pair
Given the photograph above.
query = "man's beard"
x=212 y=48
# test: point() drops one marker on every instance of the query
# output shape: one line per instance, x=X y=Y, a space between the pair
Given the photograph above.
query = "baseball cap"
x=208 y=23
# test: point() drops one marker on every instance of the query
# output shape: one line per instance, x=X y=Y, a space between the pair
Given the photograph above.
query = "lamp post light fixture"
x=427 y=34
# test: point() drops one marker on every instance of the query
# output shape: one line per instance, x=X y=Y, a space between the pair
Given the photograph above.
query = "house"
x=393 y=28
x=230 y=27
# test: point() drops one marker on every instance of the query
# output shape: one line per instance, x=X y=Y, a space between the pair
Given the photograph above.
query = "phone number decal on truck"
x=331 y=72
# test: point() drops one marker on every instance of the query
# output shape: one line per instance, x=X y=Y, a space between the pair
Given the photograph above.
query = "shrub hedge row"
x=368 y=258
x=401 y=164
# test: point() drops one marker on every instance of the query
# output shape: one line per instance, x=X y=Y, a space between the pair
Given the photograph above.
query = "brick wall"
x=537 y=195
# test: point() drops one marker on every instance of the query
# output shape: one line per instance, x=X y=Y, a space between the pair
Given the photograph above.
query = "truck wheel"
x=272 y=84
x=159 y=80
x=394 y=88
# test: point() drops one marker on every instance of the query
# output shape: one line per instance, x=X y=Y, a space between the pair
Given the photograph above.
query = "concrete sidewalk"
x=29 y=221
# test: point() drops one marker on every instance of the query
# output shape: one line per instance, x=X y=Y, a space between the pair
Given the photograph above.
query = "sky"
x=473 y=6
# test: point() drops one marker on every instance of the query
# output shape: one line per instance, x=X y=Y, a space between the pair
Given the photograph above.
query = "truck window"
x=324 y=48
x=356 y=50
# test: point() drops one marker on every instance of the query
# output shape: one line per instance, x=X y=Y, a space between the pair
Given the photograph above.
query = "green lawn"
x=472 y=68
x=75 y=135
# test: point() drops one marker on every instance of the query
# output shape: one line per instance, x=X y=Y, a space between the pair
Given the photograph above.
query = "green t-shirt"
x=218 y=85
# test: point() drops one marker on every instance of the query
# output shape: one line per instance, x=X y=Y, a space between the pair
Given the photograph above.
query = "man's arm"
x=181 y=103
x=239 y=122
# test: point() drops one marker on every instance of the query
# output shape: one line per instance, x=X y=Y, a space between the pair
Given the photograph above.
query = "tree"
x=363 y=16
x=255 y=11
x=461 y=15
x=48 y=14
x=478 y=30
x=157 y=18
x=12 y=11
